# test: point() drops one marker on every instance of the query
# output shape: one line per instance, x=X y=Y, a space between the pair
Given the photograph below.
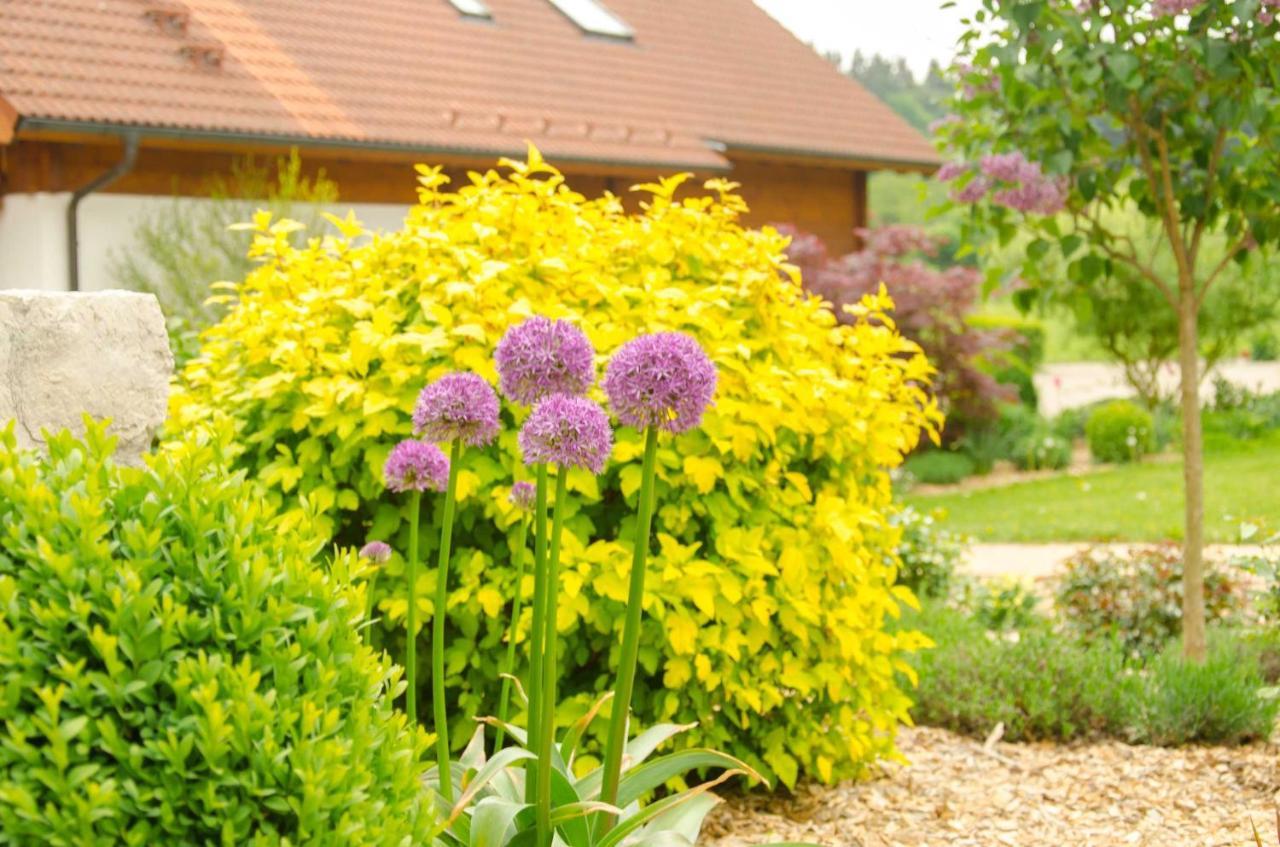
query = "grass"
x=1128 y=503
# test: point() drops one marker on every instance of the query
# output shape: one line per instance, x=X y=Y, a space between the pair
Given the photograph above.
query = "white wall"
x=33 y=234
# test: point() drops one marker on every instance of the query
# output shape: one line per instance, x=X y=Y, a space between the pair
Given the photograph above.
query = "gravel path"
x=960 y=792
x=1068 y=385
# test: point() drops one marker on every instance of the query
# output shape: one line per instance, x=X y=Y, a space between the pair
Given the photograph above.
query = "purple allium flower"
x=540 y=357
x=568 y=431
x=416 y=466
x=457 y=406
x=377 y=551
x=523 y=495
x=663 y=380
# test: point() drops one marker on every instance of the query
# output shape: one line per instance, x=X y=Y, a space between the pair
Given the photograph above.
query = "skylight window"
x=472 y=8
x=591 y=16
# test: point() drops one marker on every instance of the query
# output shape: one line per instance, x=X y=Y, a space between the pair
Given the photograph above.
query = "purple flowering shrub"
x=932 y=306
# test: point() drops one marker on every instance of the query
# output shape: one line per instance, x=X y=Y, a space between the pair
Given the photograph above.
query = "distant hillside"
x=920 y=102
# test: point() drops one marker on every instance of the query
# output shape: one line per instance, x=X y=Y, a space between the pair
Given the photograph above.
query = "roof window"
x=472 y=8
x=592 y=17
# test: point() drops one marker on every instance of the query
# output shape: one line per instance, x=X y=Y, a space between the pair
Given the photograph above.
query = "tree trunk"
x=1193 y=639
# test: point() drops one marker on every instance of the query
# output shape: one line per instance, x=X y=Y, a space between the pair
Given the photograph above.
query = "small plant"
x=929 y=552
x=1042 y=449
x=938 y=467
x=1000 y=604
x=1119 y=432
x=1135 y=596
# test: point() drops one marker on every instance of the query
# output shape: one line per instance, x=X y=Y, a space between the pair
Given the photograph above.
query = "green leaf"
x=640 y=780
x=636 y=751
x=493 y=822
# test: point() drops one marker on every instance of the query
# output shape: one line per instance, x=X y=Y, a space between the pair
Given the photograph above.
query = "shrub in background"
x=1022 y=356
x=933 y=305
x=176 y=671
x=1135 y=597
x=775 y=513
x=1120 y=431
x=929 y=553
x=1045 y=685
x=938 y=467
x=1039 y=685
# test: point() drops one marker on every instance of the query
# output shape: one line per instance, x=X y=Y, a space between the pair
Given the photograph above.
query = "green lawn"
x=1134 y=503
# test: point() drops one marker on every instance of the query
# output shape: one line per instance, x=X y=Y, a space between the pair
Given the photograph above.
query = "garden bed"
x=958 y=791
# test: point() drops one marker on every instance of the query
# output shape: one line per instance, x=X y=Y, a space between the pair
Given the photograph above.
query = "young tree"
x=1068 y=110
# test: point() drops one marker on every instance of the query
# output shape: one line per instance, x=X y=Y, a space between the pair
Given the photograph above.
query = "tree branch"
x=1215 y=159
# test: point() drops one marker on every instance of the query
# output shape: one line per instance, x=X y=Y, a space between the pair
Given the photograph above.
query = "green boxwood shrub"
x=939 y=467
x=173 y=671
x=1120 y=431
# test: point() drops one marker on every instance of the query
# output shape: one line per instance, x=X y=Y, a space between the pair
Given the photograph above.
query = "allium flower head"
x=569 y=431
x=457 y=406
x=416 y=466
x=522 y=496
x=663 y=380
x=540 y=357
x=377 y=551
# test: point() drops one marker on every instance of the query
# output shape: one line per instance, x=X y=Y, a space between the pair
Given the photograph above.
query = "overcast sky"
x=917 y=30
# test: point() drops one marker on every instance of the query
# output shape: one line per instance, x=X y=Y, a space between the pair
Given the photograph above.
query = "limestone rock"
x=64 y=354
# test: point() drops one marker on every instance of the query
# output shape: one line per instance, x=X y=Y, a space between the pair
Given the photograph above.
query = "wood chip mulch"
x=960 y=792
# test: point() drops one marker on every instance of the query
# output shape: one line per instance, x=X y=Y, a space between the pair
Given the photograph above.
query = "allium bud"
x=523 y=495
x=540 y=357
x=572 y=432
x=377 y=551
x=459 y=406
x=663 y=380
x=416 y=466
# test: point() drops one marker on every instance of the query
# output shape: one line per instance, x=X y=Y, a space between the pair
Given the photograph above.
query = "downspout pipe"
x=104 y=179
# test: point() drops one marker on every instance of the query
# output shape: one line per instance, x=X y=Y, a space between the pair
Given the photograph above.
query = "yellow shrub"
x=770 y=593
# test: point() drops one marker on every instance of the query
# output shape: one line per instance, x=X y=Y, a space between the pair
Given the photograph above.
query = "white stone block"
x=103 y=353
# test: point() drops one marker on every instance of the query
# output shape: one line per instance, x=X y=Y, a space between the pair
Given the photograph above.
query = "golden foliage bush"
x=771 y=594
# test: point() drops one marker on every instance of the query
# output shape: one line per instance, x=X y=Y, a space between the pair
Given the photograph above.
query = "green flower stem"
x=621 y=708
x=547 y=714
x=518 y=555
x=539 y=627
x=437 y=626
x=411 y=614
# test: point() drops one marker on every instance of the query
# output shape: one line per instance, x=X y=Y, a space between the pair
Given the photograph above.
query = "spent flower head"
x=539 y=357
x=523 y=495
x=569 y=431
x=663 y=380
x=377 y=551
x=458 y=406
x=416 y=466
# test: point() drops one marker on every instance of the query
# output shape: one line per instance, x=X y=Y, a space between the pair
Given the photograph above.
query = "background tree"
x=1068 y=110
x=179 y=251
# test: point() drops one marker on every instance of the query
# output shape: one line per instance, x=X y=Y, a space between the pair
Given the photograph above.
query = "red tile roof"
x=416 y=74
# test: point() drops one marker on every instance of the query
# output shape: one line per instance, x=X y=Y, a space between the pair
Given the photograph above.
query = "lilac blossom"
x=1174 y=7
x=569 y=431
x=950 y=171
x=459 y=406
x=416 y=466
x=540 y=357
x=973 y=191
x=663 y=380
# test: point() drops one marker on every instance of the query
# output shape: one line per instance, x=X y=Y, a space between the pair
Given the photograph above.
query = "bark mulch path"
x=957 y=791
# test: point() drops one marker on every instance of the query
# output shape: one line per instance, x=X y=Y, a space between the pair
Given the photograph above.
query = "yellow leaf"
x=704 y=471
